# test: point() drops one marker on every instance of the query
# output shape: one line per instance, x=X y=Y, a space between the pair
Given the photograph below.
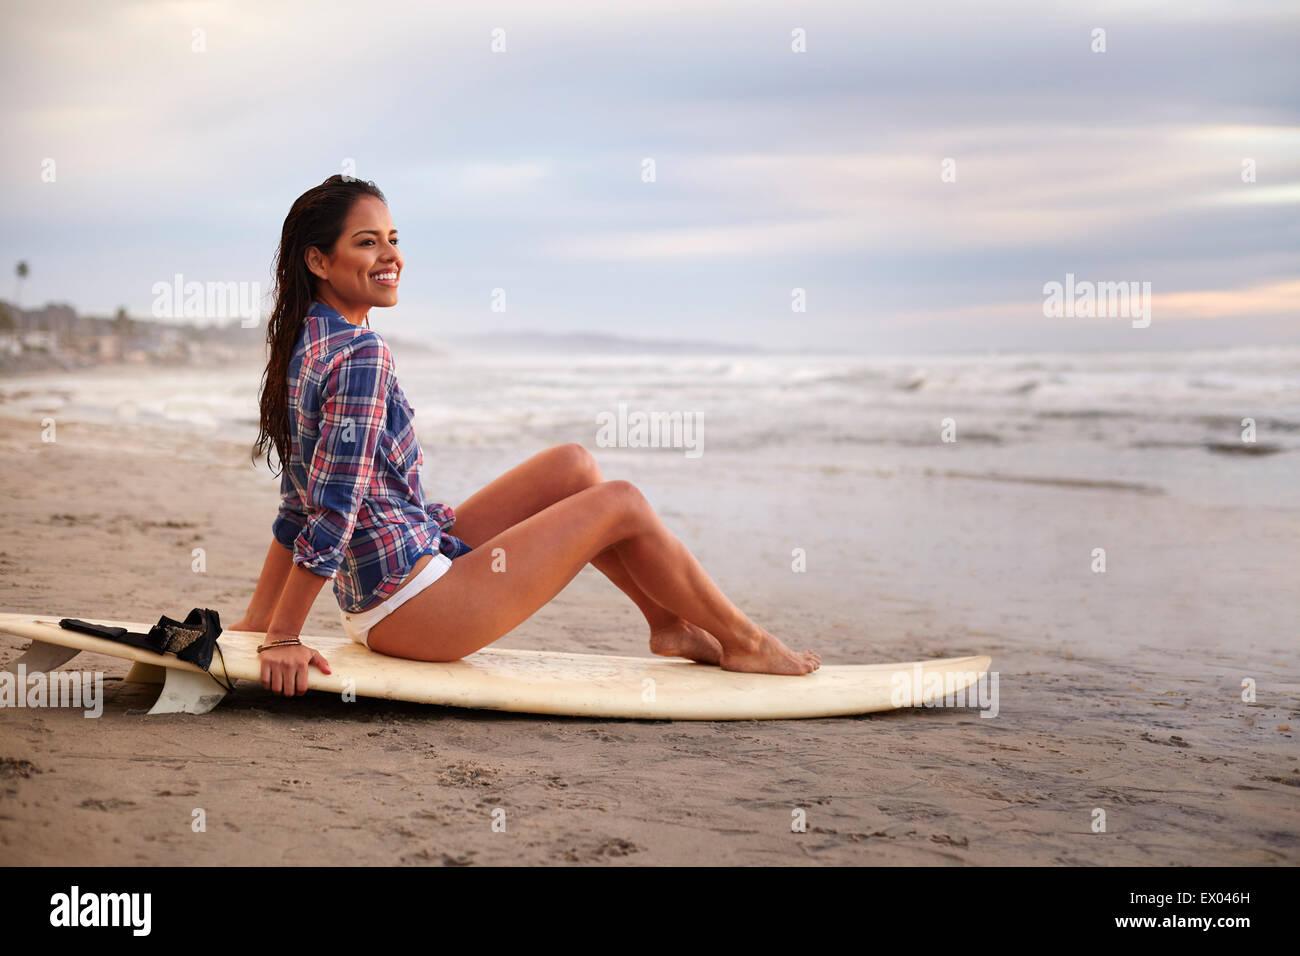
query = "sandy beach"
x=1119 y=691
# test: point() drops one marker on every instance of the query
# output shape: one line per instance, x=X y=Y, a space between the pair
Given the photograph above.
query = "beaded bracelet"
x=267 y=647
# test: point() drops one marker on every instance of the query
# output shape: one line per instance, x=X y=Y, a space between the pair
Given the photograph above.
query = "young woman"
x=352 y=508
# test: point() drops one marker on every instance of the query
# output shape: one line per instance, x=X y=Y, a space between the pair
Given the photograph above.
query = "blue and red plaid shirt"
x=351 y=505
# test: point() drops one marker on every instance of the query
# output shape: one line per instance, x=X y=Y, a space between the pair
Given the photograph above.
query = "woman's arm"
x=275 y=571
x=289 y=522
x=296 y=600
x=283 y=598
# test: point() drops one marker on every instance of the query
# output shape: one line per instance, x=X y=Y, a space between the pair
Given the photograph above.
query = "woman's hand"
x=284 y=668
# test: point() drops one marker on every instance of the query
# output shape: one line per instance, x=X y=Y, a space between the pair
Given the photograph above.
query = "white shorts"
x=357 y=626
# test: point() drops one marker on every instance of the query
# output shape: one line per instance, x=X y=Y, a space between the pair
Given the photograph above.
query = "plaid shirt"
x=351 y=505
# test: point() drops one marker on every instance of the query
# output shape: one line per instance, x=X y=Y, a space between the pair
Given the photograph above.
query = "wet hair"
x=315 y=219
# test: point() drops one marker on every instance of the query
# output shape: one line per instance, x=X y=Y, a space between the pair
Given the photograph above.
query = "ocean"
x=1208 y=425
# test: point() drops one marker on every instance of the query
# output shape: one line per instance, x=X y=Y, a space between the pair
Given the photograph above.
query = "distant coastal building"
x=54 y=337
x=108 y=347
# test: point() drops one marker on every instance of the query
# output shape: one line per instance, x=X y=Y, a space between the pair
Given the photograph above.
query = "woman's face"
x=364 y=269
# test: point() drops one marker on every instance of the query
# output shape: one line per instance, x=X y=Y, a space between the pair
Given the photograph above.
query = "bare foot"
x=770 y=656
x=684 y=639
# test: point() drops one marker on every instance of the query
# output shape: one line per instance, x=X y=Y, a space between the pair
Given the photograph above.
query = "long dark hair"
x=315 y=219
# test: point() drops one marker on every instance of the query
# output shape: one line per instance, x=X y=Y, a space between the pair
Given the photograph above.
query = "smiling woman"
x=352 y=507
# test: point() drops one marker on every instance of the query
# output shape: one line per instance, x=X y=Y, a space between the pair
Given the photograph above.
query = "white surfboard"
x=535 y=682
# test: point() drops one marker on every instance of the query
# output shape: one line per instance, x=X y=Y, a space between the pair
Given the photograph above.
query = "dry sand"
x=1149 y=726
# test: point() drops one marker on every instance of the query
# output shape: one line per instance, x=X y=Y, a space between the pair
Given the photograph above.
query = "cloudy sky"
x=180 y=152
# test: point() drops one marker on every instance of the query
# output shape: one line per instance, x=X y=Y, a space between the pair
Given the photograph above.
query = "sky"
x=919 y=170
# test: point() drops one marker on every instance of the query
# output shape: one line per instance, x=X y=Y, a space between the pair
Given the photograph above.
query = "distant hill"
x=588 y=342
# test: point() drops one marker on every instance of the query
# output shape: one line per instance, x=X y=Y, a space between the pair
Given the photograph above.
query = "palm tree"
x=22 y=271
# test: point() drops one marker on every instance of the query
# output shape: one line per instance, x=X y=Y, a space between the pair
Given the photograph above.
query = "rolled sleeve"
x=292 y=516
x=354 y=407
x=445 y=515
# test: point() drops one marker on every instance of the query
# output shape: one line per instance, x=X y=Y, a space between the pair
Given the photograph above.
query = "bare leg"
x=473 y=605
x=539 y=482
